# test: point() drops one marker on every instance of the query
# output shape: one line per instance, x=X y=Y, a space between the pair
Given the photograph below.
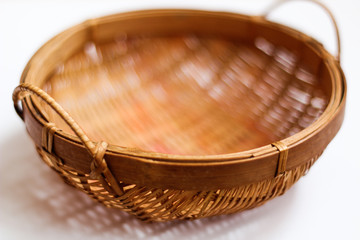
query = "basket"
x=187 y=113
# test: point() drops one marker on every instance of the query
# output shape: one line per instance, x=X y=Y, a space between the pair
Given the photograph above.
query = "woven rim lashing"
x=165 y=141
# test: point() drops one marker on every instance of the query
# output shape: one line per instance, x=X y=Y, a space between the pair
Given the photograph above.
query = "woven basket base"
x=158 y=205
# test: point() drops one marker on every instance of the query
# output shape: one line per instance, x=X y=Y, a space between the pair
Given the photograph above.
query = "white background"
x=36 y=204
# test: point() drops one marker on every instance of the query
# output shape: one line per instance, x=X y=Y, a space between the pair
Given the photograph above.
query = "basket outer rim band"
x=188 y=176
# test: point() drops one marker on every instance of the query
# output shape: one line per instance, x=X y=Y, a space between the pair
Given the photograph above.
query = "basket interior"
x=189 y=93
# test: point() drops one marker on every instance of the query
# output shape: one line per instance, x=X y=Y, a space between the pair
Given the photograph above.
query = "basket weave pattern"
x=182 y=95
x=154 y=204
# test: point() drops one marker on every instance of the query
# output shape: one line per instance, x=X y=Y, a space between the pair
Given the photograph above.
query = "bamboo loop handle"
x=98 y=166
x=323 y=6
x=27 y=87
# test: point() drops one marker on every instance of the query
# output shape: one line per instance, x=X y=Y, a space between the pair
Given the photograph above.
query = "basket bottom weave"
x=158 y=205
x=186 y=95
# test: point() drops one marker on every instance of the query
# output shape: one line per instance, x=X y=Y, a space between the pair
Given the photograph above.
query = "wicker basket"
x=190 y=113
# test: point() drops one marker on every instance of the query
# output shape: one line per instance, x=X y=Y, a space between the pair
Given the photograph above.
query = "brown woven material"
x=187 y=114
x=182 y=95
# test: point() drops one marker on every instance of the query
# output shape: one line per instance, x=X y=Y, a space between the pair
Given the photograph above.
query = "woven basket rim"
x=335 y=101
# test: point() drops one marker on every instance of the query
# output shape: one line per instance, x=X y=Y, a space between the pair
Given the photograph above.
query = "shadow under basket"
x=190 y=113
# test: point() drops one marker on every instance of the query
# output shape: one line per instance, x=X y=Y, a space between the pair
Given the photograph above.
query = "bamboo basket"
x=187 y=113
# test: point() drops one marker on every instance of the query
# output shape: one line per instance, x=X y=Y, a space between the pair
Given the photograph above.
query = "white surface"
x=36 y=204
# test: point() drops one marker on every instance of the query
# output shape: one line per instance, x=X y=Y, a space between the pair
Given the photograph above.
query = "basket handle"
x=97 y=151
x=323 y=6
x=29 y=88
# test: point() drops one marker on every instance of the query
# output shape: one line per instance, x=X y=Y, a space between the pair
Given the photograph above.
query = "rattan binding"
x=187 y=114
